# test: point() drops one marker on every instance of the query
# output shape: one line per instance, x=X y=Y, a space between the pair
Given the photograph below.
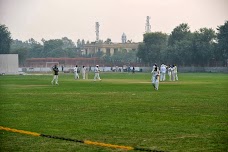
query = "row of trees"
x=183 y=47
x=57 y=48
x=50 y=48
x=204 y=47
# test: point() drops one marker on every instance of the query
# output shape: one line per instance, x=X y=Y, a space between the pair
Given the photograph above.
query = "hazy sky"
x=75 y=19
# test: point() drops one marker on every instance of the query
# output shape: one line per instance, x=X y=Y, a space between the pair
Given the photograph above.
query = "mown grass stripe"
x=80 y=141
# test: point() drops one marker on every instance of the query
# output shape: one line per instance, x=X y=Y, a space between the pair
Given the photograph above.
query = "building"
x=108 y=49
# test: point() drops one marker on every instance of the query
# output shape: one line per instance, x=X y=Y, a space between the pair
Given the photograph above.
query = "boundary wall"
x=120 y=69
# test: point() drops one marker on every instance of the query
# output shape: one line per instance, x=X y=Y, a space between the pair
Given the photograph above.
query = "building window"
x=115 y=51
x=108 y=52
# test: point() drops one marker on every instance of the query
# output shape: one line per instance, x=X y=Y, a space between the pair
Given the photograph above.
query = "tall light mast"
x=148 y=26
x=97 y=31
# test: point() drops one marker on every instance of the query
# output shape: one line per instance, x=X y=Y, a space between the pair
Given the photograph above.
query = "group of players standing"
x=84 y=72
x=157 y=75
x=160 y=75
x=76 y=75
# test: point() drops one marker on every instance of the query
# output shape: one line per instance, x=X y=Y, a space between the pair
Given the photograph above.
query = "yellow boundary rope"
x=19 y=131
x=108 y=145
x=81 y=141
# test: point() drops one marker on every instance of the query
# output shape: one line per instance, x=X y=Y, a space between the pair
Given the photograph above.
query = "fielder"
x=175 y=73
x=155 y=76
x=97 y=76
x=76 y=76
x=55 y=77
x=170 y=72
x=83 y=72
x=163 y=72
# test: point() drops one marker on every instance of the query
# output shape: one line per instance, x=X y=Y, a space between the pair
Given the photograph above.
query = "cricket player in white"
x=55 y=77
x=163 y=72
x=83 y=72
x=175 y=72
x=170 y=72
x=155 y=76
x=76 y=76
x=97 y=76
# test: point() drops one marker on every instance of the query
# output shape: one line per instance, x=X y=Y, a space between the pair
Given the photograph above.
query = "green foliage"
x=22 y=49
x=222 y=52
x=22 y=55
x=5 y=40
x=180 y=33
x=67 y=43
x=123 y=109
x=124 y=56
x=51 y=48
x=179 y=50
x=108 y=41
x=203 y=44
x=121 y=57
x=184 y=47
x=179 y=53
x=151 y=49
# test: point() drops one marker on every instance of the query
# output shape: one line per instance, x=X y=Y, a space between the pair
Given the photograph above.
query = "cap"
x=97 y=65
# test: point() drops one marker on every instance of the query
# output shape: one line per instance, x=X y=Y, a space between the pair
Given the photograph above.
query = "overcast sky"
x=75 y=19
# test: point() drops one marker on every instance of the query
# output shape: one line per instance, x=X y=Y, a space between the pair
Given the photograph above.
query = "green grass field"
x=123 y=109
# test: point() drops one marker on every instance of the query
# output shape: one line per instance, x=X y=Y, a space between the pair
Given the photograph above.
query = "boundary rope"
x=80 y=141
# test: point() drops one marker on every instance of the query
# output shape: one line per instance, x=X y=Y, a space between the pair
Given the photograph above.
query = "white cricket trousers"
x=83 y=75
x=155 y=82
x=55 y=79
x=96 y=76
x=162 y=78
x=76 y=76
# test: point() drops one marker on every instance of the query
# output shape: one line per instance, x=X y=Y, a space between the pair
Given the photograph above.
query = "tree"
x=179 y=50
x=179 y=33
x=108 y=41
x=53 y=48
x=151 y=48
x=5 y=40
x=68 y=43
x=22 y=49
x=222 y=53
x=22 y=55
x=124 y=56
x=79 y=44
x=180 y=53
x=203 y=44
x=36 y=50
x=83 y=42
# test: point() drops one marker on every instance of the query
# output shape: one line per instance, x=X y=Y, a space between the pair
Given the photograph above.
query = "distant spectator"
x=62 y=68
x=133 y=70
